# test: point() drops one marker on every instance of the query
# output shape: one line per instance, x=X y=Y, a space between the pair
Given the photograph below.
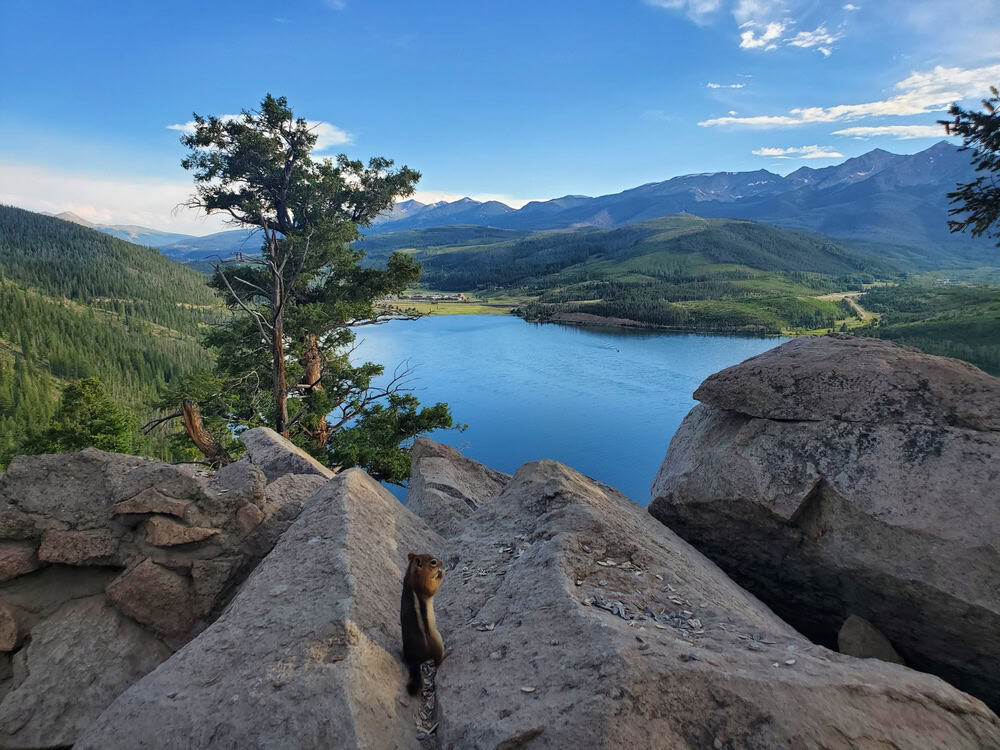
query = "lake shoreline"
x=588 y=320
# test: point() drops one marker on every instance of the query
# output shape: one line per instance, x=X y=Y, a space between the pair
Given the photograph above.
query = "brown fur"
x=421 y=640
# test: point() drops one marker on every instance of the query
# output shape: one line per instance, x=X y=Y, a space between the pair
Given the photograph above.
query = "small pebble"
x=789 y=662
x=526 y=689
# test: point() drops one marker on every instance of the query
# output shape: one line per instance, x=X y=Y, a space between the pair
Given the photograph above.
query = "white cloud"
x=327 y=135
x=820 y=38
x=758 y=12
x=764 y=24
x=697 y=10
x=750 y=40
x=104 y=199
x=725 y=85
x=852 y=6
x=798 y=152
x=433 y=196
x=733 y=112
x=901 y=132
x=921 y=93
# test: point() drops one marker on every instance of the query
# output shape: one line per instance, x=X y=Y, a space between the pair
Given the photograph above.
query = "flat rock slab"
x=77 y=662
x=93 y=547
x=165 y=532
x=306 y=654
x=276 y=456
x=572 y=619
x=446 y=487
x=856 y=379
x=151 y=500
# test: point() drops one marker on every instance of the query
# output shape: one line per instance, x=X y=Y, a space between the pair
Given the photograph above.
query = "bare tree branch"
x=152 y=424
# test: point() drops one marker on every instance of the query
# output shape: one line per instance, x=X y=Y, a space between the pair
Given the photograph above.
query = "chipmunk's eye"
x=434 y=562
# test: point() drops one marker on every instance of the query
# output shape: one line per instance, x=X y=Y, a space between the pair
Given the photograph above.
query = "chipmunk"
x=421 y=640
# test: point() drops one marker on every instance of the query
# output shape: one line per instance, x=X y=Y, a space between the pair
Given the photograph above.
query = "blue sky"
x=514 y=100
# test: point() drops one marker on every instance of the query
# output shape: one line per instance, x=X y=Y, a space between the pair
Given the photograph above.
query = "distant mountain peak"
x=70 y=216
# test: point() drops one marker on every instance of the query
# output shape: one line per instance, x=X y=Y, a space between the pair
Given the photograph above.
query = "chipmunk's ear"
x=410 y=556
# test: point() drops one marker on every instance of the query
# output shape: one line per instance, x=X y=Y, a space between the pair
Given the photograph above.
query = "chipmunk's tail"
x=416 y=683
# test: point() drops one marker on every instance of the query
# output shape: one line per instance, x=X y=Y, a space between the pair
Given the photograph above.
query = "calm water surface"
x=603 y=401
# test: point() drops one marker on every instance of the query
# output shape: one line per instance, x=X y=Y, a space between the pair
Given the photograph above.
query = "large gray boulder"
x=856 y=379
x=446 y=487
x=573 y=619
x=276 y=455
x=306 y=654
x=835 y=476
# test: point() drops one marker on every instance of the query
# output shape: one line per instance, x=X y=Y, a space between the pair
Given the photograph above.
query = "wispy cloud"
x=749 y=39
x=698 y=11
x=798 y=152
x=327 y=135
x=820 y=38
x=900 y=132
x=921 y=93
x=764 y=25
x=852 y=6
x=725 y=85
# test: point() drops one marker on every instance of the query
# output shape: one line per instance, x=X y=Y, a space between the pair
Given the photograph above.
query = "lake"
x=604 y=401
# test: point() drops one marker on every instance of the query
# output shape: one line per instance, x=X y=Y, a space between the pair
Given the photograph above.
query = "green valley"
x=681 y=271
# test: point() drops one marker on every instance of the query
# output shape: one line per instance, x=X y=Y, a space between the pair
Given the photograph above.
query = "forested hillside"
x=952 y=319
x=76 y=303
x=679 y=271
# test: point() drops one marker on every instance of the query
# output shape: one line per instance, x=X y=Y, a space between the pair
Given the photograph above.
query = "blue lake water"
x=604 y=401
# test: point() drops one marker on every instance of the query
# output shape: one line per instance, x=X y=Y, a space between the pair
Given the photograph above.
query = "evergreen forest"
x=75 y=304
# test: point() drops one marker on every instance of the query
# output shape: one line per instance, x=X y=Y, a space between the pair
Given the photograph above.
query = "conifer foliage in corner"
x=977 y=203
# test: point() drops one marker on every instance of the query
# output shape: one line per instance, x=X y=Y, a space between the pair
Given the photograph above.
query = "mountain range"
x=894 y=201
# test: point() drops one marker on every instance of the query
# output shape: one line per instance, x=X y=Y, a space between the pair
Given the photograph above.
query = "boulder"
x=152 y=500
x=164 y=532
x=858 y=637
x=828 y=493
x=446 y=487
x=573 y=619
x=77 y=662
x=16 y=559
x=306 y=654
x=162 y=547
x=94 y=547
x=63 y=491
x=11 y=630
x=856 y=379
x=155 y=596
x=277 y=456
x=284 y=500
x=570 y=619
